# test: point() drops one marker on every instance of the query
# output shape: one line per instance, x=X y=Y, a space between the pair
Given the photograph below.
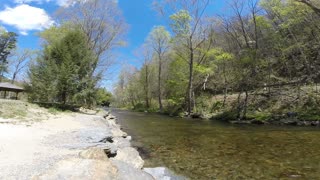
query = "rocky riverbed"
x=71 y=146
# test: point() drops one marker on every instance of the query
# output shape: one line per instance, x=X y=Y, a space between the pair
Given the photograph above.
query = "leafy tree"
x=63 y=71
x=104 y=97
x=253 y=51
x=159 y=39
x=7 y=44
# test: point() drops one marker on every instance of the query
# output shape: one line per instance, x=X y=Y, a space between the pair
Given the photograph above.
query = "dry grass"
x=15 y=110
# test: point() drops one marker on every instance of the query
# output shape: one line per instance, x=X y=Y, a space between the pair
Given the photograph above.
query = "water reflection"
x=202 y=149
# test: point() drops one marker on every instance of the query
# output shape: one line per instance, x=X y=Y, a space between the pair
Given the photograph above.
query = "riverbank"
x=287 y=106
x=67 y=146
x=288 y=119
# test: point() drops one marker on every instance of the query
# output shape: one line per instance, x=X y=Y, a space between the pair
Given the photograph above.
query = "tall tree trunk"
x=225 y=86
x=147 y=87
x=239 y=108
x=244 y=116
x=159 y=83
x=13 y=78
x=64 y=97
x=190 y=85
x=225 y=96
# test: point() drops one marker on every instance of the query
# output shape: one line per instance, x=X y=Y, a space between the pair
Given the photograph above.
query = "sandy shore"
x=68 y=146
x=37 y=144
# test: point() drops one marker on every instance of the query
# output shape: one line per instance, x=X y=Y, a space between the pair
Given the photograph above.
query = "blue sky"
x=27 y=17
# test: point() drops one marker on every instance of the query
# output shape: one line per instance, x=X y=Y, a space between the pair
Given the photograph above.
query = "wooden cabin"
x=10 y=91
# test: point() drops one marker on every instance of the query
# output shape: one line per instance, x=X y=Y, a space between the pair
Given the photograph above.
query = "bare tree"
x=19 y=61
x=104 y=25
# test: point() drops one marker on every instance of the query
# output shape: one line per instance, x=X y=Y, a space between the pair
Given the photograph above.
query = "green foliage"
x=181 y=23
x=259 y=116
x=54 y=110
x=139 y=107
x=177 y=83
x=226 y=116
x=103 y=97
x=62 y=73
x=55 y=34
x=159 y=37
x=253 y=50
x=310 y=111
x=7 y=44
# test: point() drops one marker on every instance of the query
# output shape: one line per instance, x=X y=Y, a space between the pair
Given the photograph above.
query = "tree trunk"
x=13 y=78
x=225 y=97
x=147 y=88
x=64 y=97
x=244 y=116
x=190 y=85
x=239 y=108
x=225 y=86
x=159 y=83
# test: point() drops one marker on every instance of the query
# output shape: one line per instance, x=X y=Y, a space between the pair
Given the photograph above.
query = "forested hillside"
x=259 y=59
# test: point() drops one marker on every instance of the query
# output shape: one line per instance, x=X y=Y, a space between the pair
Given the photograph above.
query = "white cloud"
x=64 y=3
x=26 y=18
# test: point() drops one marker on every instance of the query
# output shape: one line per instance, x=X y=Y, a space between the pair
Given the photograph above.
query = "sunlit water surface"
x=203 y=149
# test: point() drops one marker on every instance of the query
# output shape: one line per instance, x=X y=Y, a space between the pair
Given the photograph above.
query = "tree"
x=55 y=33
x=63 y=72
x=189 y=32
x=103 y=97
x=19 y=61
x=146 y=54
x=311 y=5
x=102 y=23
x=159 y=39
x=7 y=44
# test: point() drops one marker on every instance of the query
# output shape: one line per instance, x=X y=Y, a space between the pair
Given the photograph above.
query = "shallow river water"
x=203 y=149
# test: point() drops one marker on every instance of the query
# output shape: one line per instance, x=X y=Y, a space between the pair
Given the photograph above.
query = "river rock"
x=240 y=122
x=111 y=117
x=304 y=123
x=315 y=123
x=109 y=148
x=129 y=138
x=127 y=171
x=289 y=121
x=94 y=153
x=121 y=142
x=163 y=173
x=80 y=169
x=113 y=124
x=87 y=111
x=118 y=133
x=257 y=122
x=130 y=156
x=103 y=113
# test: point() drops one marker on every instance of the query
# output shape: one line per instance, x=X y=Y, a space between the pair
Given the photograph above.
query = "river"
x=203 y=149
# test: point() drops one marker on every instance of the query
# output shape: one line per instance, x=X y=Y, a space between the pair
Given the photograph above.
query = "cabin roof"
x=10 y=87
